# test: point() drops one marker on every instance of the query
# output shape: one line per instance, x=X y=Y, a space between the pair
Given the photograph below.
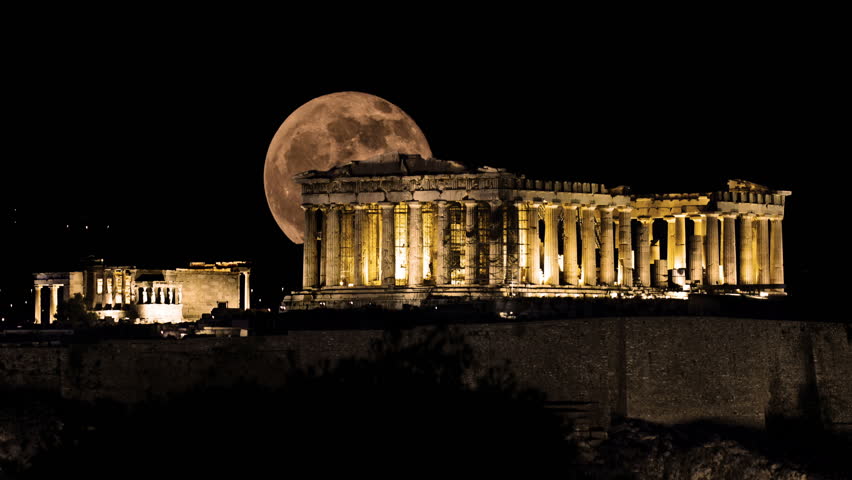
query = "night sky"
x=152 y=155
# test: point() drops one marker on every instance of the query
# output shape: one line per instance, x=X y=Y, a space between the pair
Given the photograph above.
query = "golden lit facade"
x=145 y=295
x=398 y=229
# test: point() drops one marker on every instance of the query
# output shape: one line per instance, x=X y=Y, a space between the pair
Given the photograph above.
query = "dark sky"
x=159 y=148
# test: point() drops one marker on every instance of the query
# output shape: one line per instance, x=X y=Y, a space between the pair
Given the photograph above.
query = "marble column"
x=470 y=242
x=359 y=227
x=144 y=298
x=496 y=261
x=123 y=292
x=440 y=261
x=37 y=304
x=310 y=260
x=695 y=270
x=169 y=297
x=746 y=250
x=660 y=273
x=655 y=244
x=247 y=287
x=534 y=244
x=607 y=247
x=671 y=242
x=388 y=248
x=711 y=241
x=551 y=244
x=590 y=269
x=513 y=235
x=643 y=251
x=331 y=238
x=696 y=251
x=776 y=255
x=180 y=294
x=415 y=243
x=680 y=241
x=730 y=249
x=109 y=287
x=54 y=303
x=625 y=246
x=101 y=297
x=162 y=295
x=569 y=245
x=763 y=265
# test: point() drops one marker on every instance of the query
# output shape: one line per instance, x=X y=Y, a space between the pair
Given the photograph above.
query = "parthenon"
x=399 y=228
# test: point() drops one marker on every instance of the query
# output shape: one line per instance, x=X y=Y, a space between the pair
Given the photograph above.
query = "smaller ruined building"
x=146 y=295
x=402 y=230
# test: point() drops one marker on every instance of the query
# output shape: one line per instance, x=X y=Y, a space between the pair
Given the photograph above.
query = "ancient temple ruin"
x=400 y=230
x=143 y=294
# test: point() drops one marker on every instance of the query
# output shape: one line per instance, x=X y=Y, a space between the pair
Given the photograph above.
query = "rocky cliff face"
x=641 y=450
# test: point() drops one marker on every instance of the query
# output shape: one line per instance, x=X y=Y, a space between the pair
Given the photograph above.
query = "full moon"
x=328 y=131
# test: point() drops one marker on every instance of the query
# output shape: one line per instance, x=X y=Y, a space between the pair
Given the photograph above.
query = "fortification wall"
x=662 y=369
x=699 y=368
x=32 y=368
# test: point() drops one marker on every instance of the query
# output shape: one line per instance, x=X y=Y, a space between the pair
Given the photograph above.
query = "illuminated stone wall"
x=162 y=313
x=163 y=295
x=204 y=290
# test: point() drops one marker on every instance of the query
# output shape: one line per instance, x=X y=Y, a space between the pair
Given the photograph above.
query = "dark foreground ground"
x=250 y=433
x=404 y=409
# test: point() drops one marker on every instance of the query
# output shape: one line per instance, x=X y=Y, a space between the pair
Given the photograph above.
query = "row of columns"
x=728 y=257
x=162 y=295
x=53 y=305
x=704 y=249
x=589 y=241
x=331 y=244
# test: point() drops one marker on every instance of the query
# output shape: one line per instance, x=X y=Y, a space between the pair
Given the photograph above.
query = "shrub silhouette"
x=411 y=399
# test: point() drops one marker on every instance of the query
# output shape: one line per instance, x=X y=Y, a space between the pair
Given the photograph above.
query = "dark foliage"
x=410 y=403
x=75 y=314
